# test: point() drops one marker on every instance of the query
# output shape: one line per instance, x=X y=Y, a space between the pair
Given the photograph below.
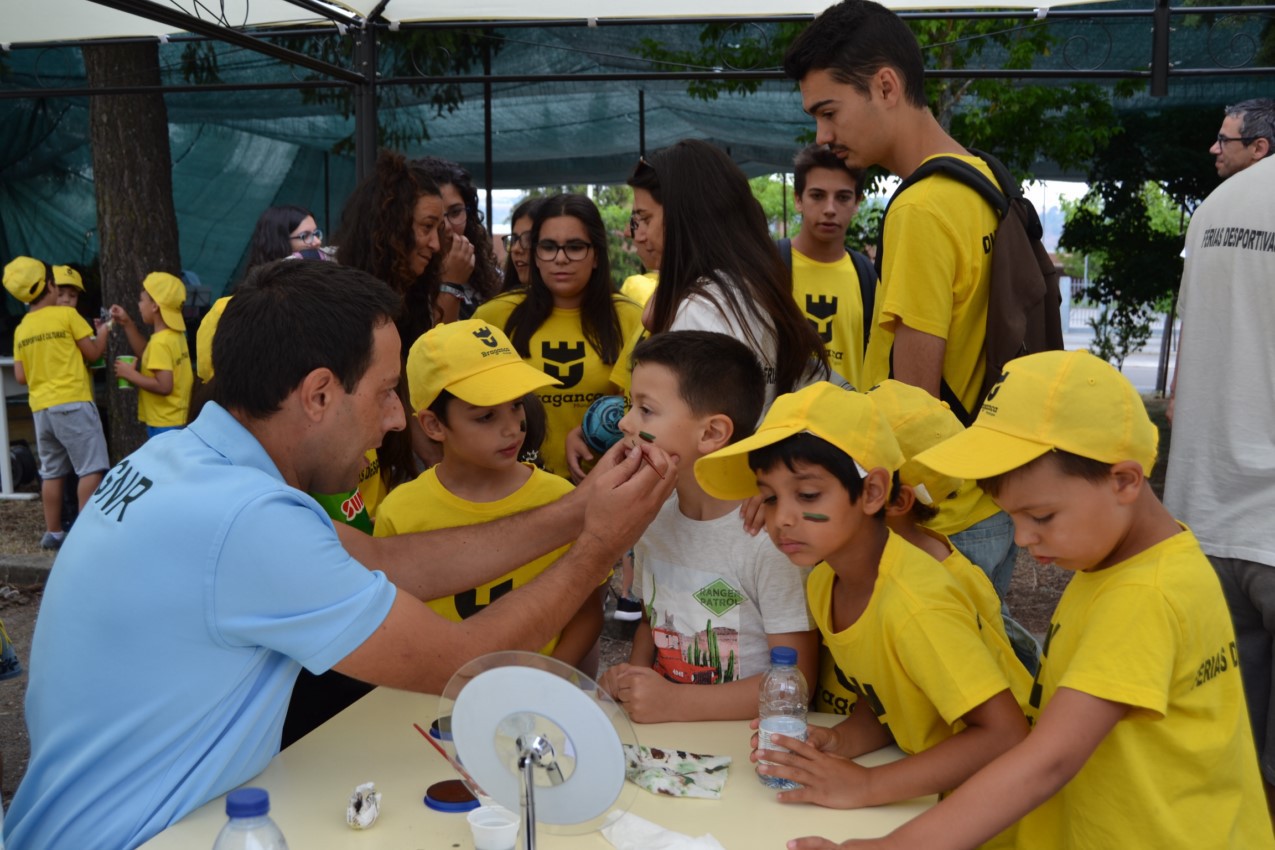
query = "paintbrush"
x=464 y=774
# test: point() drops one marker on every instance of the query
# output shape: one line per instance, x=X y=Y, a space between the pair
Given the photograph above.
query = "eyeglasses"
x=456 y=213
x=523 y=240
x=308 y=236
x=1248 y=140
x=547 y=250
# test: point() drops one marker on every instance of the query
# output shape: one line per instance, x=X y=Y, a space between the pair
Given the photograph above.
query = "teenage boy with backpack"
x=833 y=286
x=862 y=79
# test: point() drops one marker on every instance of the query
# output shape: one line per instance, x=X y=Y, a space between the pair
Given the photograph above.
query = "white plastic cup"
x=494 y=828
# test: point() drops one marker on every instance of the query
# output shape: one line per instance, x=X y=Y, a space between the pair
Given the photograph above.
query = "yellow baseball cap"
x=845 y=418
x=25 y=278
x=1066 y=400
x=919 y=421
x=67 y=276
x=473 y=361
x=169 y=294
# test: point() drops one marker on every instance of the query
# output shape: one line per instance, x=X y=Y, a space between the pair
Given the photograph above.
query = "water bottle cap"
x=248 y=803
x=784 y=655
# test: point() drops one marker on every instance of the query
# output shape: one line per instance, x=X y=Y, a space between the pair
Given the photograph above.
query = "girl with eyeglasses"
x=470 y=274
x=281 y=232
x=569 y=322
x=518 y=245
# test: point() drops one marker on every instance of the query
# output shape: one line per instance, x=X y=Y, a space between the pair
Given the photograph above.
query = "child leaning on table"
x=901 y=628
x=165 y=376
x=716 y=598
x=1140 y=736
x=466 y=384
x=920 y=421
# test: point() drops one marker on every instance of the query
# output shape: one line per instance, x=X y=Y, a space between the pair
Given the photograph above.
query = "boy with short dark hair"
x=163 y=373
x=717 y=599
x=466 y=384
x=825 y=277
x=1140 y=734
x=902 y=630
x=51 y=349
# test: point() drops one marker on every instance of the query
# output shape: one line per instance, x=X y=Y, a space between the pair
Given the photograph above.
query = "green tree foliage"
x=1072 y=120
x=1142 y=183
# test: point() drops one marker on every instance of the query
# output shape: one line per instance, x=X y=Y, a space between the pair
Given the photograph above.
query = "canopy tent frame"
x=364 y=82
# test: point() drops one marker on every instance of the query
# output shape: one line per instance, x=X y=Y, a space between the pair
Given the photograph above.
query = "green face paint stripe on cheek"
x=815 y=517
x=650 y=438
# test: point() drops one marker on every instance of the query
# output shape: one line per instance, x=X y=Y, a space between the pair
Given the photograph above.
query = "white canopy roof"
x=64 y=20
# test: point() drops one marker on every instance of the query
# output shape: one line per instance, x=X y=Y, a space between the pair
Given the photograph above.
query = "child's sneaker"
x=52 y=540
x=628 y=608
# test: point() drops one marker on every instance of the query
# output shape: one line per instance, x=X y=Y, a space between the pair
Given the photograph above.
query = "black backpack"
x=867 y=280
x=1024 y=301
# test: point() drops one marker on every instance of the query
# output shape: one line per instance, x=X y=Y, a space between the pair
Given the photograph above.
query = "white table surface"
x=373 y=740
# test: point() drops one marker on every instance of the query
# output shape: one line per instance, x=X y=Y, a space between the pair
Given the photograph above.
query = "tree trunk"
x=136 y=225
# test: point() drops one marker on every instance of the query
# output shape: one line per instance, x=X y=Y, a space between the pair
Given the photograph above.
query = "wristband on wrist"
x=453 y=289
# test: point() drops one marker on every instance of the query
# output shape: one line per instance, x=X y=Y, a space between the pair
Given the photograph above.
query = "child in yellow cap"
x=920 y=421
x=165 y=377
x=466 y=385
x=1140 y=735
x=51 y=347
x=902 y=630
x=70 y=286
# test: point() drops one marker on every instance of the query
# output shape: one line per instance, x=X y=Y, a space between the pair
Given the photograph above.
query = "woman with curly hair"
x=469 y=270
x=392 y=227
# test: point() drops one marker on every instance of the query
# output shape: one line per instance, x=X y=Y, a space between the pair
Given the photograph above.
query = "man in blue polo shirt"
x=201 y=577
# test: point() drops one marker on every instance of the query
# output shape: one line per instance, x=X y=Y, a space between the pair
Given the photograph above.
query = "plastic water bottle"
x=250 y=826
x=782 y=708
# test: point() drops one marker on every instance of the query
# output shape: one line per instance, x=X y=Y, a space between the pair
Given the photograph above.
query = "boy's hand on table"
x=826 y=780
x=645 y=694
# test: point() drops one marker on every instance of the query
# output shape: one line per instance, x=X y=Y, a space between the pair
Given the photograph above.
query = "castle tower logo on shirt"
x=564 y=361
x=820 y=312
x=484 y=335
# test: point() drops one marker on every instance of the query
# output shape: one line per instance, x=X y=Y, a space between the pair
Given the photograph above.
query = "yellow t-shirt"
x=968 y=506
x=917 y=656
x=835 y=694
x=1180 y=769
x=558 y=348
x=828 y=294
x=45 y=343
x=935 y=278
x=167 y=351
x=204 y=338
x=640 y=287
x=425 y=504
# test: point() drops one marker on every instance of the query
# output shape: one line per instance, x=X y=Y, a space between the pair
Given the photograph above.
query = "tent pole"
x=1160 y=49
x=642 y=122
x=488 y=160
x=365 y=102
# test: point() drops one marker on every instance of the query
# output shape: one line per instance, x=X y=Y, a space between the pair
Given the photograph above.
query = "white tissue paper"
x=365 y=806
x=630 y=832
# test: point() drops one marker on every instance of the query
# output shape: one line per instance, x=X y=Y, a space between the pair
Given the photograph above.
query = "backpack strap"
x=867 y=290
x=785 y=251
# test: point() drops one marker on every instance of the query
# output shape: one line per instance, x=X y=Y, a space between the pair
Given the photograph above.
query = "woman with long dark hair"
x=518 y=258
x=469 y=272
x=719 y=269
x=281 y=232
x=569 y=322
